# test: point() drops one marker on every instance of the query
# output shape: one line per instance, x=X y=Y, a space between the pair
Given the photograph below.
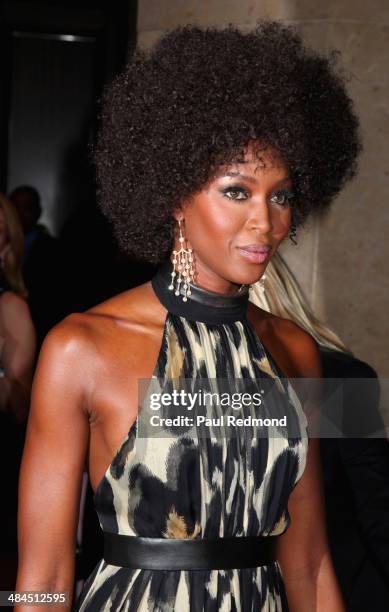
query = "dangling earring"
x=182 y=266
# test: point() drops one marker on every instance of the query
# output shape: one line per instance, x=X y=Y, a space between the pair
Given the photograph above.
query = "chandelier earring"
x=183 y=266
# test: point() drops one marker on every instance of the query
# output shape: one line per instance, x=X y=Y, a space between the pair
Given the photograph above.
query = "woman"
x=17 y=356
x=355 y=467
x=208 y=144
x=17 y=333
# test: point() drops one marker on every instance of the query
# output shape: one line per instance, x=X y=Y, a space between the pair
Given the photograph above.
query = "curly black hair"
x=193 y=102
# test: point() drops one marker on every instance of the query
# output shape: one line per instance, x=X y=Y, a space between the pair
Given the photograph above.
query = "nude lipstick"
x=256 y=253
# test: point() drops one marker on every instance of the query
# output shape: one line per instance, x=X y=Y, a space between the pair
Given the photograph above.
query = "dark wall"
x=55 y=59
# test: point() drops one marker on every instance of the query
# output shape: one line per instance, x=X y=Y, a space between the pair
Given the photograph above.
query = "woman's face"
x=243 y=210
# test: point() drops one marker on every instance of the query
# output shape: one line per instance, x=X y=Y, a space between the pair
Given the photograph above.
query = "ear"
x=178 y=214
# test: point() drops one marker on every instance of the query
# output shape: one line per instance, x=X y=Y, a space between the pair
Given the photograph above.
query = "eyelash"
x=289 y=195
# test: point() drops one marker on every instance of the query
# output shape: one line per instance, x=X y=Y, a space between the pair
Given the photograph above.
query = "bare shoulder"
x=67 y=337
x=15 y=321
x=136 y=310
x=294 y=348
x=83 y=345
x=301 y=345
x=65 y=356
x=12 y=303
x=129 y=313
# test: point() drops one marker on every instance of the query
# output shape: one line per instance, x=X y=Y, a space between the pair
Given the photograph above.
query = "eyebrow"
x=252 y=179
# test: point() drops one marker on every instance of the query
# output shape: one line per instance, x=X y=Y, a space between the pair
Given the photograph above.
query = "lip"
x=256 y=253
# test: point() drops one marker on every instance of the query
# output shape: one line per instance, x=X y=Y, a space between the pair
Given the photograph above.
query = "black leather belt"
x=180 y=554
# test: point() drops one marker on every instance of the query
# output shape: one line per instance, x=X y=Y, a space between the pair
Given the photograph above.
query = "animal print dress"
x=191 y=484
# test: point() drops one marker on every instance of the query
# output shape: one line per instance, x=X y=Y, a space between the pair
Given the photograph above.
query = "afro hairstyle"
x=191 y=104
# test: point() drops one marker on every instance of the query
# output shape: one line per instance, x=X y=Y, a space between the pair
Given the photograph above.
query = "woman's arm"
x=18 y=355
x=303 y=553
x=53 y=461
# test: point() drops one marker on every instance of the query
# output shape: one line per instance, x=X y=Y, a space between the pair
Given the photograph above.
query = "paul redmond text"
x=221 y=421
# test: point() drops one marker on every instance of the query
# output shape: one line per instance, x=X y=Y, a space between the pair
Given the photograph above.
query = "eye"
x=235 y=193
x=284 y=197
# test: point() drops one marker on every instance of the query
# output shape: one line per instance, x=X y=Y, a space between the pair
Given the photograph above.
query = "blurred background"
x=55 y=58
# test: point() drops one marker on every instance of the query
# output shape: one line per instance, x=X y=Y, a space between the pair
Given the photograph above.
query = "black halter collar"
x=202 y=305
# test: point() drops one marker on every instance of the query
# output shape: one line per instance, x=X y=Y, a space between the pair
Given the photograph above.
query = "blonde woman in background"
x=355 y=470
x=17 y=357
x=280 y=294
x=17 y=334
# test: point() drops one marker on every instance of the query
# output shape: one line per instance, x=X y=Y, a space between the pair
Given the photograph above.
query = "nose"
x=260 y=217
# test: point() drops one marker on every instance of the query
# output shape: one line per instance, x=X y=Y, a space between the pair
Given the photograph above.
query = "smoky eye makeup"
x=283 y=197
x=235 y=192
x=286 y=196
